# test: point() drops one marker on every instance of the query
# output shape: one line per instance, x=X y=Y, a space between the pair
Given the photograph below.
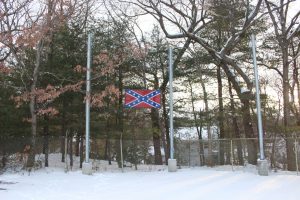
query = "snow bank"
x=190 y=184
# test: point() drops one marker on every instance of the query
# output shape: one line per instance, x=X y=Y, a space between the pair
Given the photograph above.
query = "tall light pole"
x=172 y=163
x=87 y=166
x=262 y=163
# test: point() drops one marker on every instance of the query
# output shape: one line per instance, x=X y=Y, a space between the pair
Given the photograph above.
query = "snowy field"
x=185 y=184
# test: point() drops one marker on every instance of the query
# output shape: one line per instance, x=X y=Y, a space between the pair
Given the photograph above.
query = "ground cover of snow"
x=185 y=184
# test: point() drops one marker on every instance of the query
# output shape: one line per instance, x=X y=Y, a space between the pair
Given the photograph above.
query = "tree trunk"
x=107 y=155
x=296 y=78
x=63 y=130
x=135 y=149
x=201 y=145
x=70 y=139
x=46 y=140
x=166 y=123
x=285 y=30
x=198 y=127
x=219 y=41
x=291 y=157
x=251 y=140
x=221 y=115
x=81 y=136
x=285 y=86
x=119 y=121
x=209 y=135
x=273 y=159
x=32 y=106
x=81 y=147
x=163 y=137
x=31 y=157
x=247 y=122
x=236 y=127
x=228 y=152
x=156 y=137
x=77 y=144
x=4 y=157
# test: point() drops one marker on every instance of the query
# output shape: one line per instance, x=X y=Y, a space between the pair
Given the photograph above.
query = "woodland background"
x=43 y=68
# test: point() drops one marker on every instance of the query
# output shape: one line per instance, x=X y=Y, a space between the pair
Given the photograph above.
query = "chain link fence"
x=235 y=152
x=114 y=154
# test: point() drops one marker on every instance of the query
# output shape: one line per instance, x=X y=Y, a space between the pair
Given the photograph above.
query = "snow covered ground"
x=185 y=184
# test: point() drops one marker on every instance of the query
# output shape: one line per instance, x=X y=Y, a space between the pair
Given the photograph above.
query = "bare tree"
x=285 y=30
x=186 y=19
x=13 y=16
x=29 y=25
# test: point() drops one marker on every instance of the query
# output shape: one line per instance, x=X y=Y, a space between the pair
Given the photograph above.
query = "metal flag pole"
x=87 y=166
x=262 y=163
x=258 y=107
x=88 y=100
x=171 y=102
x=172 y=163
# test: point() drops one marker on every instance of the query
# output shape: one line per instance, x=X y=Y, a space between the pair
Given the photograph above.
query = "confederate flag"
x=142 y=98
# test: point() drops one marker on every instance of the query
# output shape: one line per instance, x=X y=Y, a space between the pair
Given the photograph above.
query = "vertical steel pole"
x=171 y=102
x=259 y=120
x=88 y=99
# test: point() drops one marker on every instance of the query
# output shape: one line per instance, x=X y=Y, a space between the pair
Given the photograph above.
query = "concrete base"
x=172 y=165
x=263 y=167
x=87 y=168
